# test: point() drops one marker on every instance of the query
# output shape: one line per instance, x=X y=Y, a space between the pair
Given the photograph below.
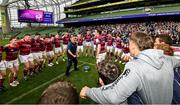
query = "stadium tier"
x=89 y=52
x=163 y=10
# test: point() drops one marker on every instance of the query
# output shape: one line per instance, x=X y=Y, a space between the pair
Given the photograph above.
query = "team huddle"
x=35 y=51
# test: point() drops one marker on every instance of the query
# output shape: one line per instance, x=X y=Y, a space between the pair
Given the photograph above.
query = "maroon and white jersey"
x=42 y=45
x=80 y=41
x=66 y=40
x=49 y=46
x=118 y=43
x=1 y=51
x=102 y=42
x=88 y=38
x=104 y=36
x=24 y=47
x=35 y=46
x=11 y=52
x=110 y=41
x=57 y=42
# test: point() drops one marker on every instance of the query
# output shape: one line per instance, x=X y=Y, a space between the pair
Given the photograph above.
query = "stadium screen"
x=35 y=16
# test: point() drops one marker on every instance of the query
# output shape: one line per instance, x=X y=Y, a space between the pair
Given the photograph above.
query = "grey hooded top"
x=150 y=74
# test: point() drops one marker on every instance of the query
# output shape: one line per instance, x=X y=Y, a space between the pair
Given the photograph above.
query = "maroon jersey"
x=126 y=49
x=88 y=38
x=35 y=46
x=104 y=36
x=11 y=53
x=66 y=40
x=101 y=41
x=80 y=41
x=1 y=51
x=118 y=43
x=49 y=46
x=24 y=47
x=57 y=42
x=42 y=45
x=110 y=41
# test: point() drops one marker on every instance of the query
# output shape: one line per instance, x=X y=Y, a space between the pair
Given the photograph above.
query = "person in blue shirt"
x=72 y=55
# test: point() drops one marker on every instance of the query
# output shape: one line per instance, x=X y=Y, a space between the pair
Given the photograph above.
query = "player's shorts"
x=80 y=48
x=110 y=48
x=118 y=50
x=50 y=53
x=58 y=50
x=102 y=57
x=40 y=55
x=36 y=56
x=89 y=44
x=11 y=64
x=3 y=65
x=64 y=47
x=26 y=58
x=44 y=53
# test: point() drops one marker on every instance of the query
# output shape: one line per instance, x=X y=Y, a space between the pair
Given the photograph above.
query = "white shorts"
x=64 y=47
x=58 y=50
x=110 y=48
x=36 y=56
x=88 y=44
x=50 y=53
x=43 y=53
x=11 y=64
x=26 y=58
x=3 y=65
x=80 y=48
x=117 y=50
x=101 y=57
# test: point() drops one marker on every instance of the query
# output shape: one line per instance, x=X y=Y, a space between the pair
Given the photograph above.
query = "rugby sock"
x=11 y=80
x=94 y=53
x=86 y=52
x=50 y=61
x=91 y=52
x=15 y=78
x=1 y=83
x=25 y=72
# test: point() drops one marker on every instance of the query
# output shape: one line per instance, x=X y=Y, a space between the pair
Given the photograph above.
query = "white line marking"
x=46 y=83
x=88 y=63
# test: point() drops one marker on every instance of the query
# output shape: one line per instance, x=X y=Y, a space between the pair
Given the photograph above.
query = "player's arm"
x=118 y=91
x=175 y=62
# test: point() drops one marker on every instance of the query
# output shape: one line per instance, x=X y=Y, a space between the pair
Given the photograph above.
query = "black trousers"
x=70 y=61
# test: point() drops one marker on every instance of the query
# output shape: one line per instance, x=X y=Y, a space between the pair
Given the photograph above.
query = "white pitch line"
x=87 y=63
x=19 y=97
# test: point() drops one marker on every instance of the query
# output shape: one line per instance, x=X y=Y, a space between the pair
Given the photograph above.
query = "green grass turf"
x=78 y=78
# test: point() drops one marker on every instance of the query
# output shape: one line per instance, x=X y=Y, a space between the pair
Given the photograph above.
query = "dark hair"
x=142 y=40
x=108 y=71
x=165 y=38
x=61 y=92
